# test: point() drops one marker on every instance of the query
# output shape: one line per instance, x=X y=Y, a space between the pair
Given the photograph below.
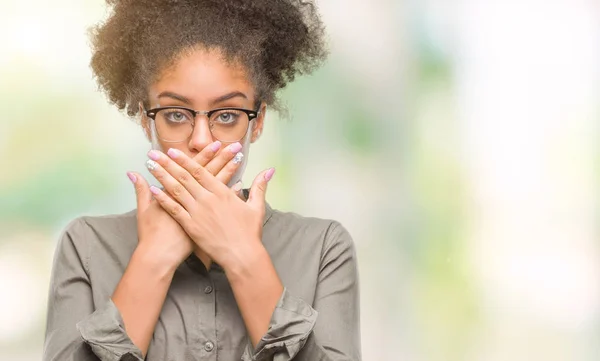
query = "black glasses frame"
x=252 y=114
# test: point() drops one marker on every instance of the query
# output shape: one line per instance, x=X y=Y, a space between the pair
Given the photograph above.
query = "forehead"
x=201 y=75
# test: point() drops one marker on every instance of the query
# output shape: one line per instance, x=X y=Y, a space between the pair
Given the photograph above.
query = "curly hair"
x=274 y=40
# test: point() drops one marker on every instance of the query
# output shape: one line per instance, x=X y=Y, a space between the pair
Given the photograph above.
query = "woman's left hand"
x=224 y=226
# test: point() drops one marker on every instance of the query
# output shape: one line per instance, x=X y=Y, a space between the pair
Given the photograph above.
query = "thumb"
x=142 y=190
x=258 y=191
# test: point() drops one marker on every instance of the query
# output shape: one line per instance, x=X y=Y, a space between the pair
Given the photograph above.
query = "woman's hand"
x=227 y=228
x=162 y=246
x=224 y=164
x=161 y=241
x=160 y=236
x=218 y=221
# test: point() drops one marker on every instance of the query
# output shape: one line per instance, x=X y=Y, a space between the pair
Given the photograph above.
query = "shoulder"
x=87 y=232
x=113 y=224
x=310 y=231
x=98 y=226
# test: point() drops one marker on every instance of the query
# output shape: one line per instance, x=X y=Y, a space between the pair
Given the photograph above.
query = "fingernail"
x=154 y=190
x=215 y=146
x=132 y=177
x=269 y=174
x=235 y=147
x=151 y=165
x=173 y=153
x=153 y=154
x=238 y=186
x=238 y=158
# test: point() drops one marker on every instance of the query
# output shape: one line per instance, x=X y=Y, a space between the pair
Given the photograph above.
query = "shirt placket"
x=207 y=340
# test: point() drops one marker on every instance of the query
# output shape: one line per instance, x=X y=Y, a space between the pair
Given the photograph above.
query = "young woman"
x=200 y=270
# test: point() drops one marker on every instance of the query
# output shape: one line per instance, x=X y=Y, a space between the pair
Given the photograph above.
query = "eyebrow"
x=228 y=96
x=222 y=98
x=168 y=94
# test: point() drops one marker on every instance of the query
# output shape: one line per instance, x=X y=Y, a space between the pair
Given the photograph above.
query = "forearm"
x=312 y=351
x=140 y=295
x=257 y=289
x=325 y=330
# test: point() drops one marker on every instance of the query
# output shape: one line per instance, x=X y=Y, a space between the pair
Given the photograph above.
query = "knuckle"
x=177 y=190
x=175 y=210
x=183 y=178
x=160 y=176
x=197 y=172
x=203 y=159
x=211 y=169
x=231 y=166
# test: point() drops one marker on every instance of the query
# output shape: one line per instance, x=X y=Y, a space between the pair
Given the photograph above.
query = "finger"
x=181 y=175
x=174 y=209
x=207 y=154
x=199 y=173
x=142 y=191
x=172 y=186
x=227 y=172
x=258 y=191
x=237 y=189
x=223 y=158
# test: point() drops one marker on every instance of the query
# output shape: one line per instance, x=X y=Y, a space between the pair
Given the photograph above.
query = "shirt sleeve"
x=75 y=330
x=296 y=333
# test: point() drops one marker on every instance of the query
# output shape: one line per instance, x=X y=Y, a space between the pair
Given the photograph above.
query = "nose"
x=201 y=135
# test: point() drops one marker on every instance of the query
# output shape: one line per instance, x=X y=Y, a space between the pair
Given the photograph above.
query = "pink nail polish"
x=132 y=177
x=215 y=146
x=173 y=153
x=235 y=147
x=154 y=155
x=269 y=174
x=154 y=190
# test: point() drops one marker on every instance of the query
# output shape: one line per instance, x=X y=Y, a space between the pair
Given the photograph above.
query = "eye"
x=176 y=116
x=226 y=117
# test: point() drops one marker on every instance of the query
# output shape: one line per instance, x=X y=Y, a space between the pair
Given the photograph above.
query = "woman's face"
x=202 y=80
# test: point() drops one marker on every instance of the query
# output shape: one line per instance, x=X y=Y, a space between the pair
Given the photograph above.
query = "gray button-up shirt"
x=316 y=318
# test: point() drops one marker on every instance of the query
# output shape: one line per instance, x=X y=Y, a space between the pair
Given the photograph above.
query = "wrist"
x=244 y=261
x=157 y=265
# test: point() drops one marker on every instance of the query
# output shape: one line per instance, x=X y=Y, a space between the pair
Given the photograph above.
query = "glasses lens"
x=174 y=125
x=229 y=125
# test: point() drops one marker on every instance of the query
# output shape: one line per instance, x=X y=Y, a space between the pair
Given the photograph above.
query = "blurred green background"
x=457 y=141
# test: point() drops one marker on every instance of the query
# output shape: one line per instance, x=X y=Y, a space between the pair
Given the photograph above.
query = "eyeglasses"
x=176 y=124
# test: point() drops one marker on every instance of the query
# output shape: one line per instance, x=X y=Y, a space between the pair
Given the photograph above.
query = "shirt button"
x=209 y=346
x=208 y=289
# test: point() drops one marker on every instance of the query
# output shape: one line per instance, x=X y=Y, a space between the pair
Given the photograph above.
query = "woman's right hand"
x=160 y=237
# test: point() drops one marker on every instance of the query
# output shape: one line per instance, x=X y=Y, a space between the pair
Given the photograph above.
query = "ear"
x=258 y=123
x=144 y=121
